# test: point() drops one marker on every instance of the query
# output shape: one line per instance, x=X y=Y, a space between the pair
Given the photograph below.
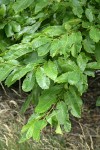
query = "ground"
x=85 y=134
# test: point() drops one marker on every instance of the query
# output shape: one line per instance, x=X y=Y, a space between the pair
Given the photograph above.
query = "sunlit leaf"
x=82 y=60
x=71 y=77
x=54 y=31
x=42 y=80
x=89 y=14
x=22 y=71
x=17 y=51
x=58 y=129
x=89 y=45
x=28 y=82
x=38 y=126
x=50 y=69
x=94 y=34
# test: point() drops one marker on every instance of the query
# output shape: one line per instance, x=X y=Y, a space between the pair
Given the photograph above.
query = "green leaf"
x=28 y=31
x=78 y=11
x=22 y=71
x=40 y=41
x=62 y=78
x=33 y=128
x=62 y=44
x=67 y=65
x=54 y=31
x=38 y=126
x=56 y=88
x=8 y=30
x=74 y=102
x=74 y=38
x=33 y=58
x=63 y=115
x=41 y=78
x=43 y=50
x=4 y=44
x=54 y=48
x=74 y=43
x=82 y=60
x=89 y=14
x=98 y=101
x=89 y=73
x=97 y=52
x=2 y=25
x=72 y=77
x=58 y=46
x=93 y=65
x=17 y=50
x=15 y=26
x=46 y=100
x=50 y=70
x=89 y=45
x=30 y=123
x=4 y=2
x=34 y=117
x=75 y=49
x=62 y=110
x=29 y=133
x=77 y=7
x=21 y=5
x=97 y=1
x=23 y=138
x=82 y=84
x=5 y=71
x=86 y=25
x=9 y=81
x=94 y=34
x=58 y=129
x=28 y=82
x=1 y=60
x=50 y=117
x=2 y=10
x=71 y=22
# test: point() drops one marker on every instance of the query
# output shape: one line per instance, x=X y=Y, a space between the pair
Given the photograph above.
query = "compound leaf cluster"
x=53 y=46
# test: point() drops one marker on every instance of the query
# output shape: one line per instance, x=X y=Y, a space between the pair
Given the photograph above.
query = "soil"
x=85 y=134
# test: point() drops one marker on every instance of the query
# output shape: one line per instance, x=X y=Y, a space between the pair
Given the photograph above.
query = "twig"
x=4 y=89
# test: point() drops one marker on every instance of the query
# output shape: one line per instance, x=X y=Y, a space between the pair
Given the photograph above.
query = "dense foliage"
x=54 y=46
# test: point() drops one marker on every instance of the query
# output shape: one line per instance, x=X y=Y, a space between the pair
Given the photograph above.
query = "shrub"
x=54 y=45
